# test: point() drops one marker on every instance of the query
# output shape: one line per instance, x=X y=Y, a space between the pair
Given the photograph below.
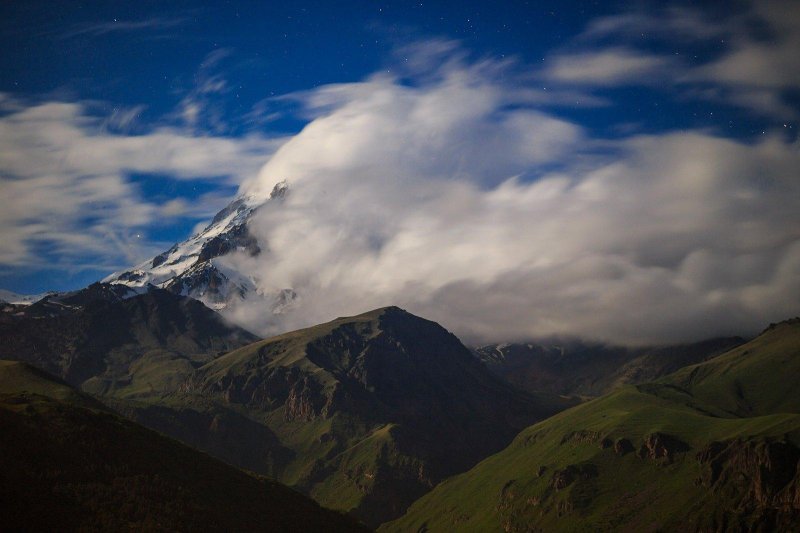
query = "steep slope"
x=654 y=457
x=106 y=337
x=18 y=378
x=191 y=268
x=365 y=413
x=67 y=464
x=752 y=380
x=587 y=369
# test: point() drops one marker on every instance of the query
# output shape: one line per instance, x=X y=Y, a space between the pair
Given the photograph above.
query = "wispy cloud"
x=155 y=24
x=65 y=181
x=761 y=63
x=201 y=108
x=612 y=66
x=670 y=22
x=755 y=64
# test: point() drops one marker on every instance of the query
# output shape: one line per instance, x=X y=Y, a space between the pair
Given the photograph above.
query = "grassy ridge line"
x=514 y=489
x=473 y=501
x=753 y=379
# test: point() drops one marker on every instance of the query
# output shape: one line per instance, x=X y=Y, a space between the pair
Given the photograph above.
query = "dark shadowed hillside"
x=98 y=333
x=68 y=464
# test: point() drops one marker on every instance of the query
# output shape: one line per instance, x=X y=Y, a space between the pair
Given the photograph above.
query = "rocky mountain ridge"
x=98 y=333
x=394 y=402
x=192 y=267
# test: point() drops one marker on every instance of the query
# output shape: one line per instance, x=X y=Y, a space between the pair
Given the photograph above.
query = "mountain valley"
x=364 y=414
x=374 y=414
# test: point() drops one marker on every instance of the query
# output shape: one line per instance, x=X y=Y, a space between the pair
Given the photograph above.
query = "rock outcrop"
x=623 y=446
x=658 y=446
x=565 y=477
x=759 y=479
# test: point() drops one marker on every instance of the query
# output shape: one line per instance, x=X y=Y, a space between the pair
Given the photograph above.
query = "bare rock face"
x=760 y=478
x=238 y=238
x=581 y=437
x=565 y=477
x=623 y=446
x=658 y=446
x=304 y=401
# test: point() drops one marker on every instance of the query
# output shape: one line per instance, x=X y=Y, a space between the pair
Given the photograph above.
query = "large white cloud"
x=450 y=198
x=451 y=188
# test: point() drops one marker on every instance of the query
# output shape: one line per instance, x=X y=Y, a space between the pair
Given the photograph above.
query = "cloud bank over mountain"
x=634 y=181
x=447 y=191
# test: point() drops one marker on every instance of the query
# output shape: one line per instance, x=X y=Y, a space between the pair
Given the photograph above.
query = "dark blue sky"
x=211 y=71
x=134 y=52
x=146 y=53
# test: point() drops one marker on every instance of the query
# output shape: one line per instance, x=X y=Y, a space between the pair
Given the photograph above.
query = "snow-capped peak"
x=189 y=267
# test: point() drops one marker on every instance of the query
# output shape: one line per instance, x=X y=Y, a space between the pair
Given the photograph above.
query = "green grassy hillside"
x=68 y=464
x=755 y=379
x=364 y=413
x=713 y=447
x=20 y=378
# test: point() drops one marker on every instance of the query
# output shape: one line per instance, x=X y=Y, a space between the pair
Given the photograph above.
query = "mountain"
x=592 y=369
x=712 y=447
x=193 y=267
x=69 y=464
x=750 y=381
x=107 y=335
x=365 y=413
x=8 y=297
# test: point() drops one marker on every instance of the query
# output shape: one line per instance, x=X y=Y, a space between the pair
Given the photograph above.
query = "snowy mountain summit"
x=194 y=267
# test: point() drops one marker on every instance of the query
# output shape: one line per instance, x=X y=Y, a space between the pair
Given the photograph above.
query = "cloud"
x=612 y=66
x=451 y=198
x=452 y=127
x=670 y=22
x=753 y=64
x=125 y=26
x=66 y=190
x=770 y=62
x=451 y=187
x=124 y=119
x=201 y=109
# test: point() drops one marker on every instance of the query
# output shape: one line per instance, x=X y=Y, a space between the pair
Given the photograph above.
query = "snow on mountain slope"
x=21 y=299
x=192 y=267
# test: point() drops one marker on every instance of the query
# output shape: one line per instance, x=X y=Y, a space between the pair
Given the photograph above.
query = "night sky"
x=124 y=126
